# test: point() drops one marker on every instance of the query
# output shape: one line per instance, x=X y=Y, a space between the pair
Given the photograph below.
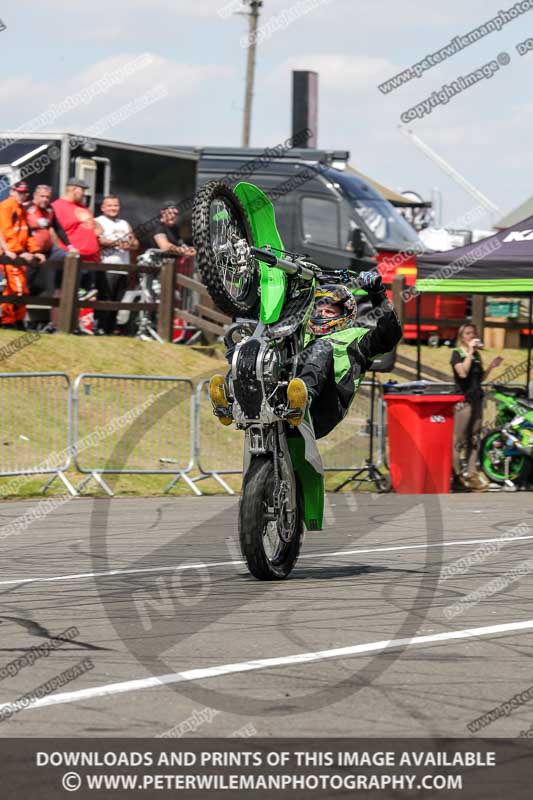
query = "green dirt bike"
x=506 y=451
x=270 y=294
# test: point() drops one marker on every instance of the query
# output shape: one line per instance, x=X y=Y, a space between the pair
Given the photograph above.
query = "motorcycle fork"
x=271 y=440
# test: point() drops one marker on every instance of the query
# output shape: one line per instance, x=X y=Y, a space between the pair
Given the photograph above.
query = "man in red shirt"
x=82 y=232
x=77 y=220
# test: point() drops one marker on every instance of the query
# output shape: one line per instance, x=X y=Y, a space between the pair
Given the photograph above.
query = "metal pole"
x=255 y=5
x=372 y=398
x=491 y=207
x=529 y=342
x=418 y=344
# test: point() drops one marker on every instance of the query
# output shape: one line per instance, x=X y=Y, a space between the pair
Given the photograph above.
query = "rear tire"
x=494 y=467
x=256 y=496
x=237 y=297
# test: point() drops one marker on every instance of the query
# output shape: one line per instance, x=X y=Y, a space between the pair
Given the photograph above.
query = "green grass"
x=439 y=358
x=22 y=445
x=75 y=354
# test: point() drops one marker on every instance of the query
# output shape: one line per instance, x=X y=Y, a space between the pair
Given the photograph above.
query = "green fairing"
x=261 y=215
x=509 y=408
x=312 y=483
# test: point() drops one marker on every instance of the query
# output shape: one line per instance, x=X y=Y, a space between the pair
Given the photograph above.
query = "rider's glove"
x=370 y=282
x=373 y=286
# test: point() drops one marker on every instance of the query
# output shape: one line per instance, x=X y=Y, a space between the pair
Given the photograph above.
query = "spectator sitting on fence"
x=18 y=243
x=167 y=234
x=117 y=240
x=46 y=230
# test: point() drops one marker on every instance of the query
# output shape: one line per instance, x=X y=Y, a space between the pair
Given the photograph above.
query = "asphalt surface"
x=180 y=601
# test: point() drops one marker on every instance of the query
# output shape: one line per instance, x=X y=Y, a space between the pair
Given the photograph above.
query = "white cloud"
x=181 y=80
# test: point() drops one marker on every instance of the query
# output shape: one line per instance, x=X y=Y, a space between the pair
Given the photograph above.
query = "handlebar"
x=153 y=257
x=299 y=267
x=153 y=251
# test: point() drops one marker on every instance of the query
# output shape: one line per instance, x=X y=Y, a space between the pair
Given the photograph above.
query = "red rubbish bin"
x=420 y=433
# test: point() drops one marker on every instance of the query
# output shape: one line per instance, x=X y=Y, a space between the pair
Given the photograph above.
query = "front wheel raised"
x=267 y=555
x=222 y=237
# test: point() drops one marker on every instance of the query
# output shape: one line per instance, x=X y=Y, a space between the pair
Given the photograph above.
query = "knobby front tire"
x=217 y=218
x=267 y=556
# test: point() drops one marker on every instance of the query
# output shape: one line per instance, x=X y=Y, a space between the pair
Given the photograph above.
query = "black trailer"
x=143 y=177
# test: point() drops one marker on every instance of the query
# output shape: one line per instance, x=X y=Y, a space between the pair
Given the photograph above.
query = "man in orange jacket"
x=18 y=243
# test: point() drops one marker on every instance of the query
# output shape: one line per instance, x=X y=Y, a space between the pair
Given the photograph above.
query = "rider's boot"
x=219 y=399
x=297 y=398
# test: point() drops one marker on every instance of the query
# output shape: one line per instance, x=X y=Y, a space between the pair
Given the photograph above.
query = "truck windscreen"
x=387 y=227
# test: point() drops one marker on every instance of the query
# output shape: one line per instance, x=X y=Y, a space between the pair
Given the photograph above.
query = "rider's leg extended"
x=314 y=365
x=297 y=398
x=317 y=371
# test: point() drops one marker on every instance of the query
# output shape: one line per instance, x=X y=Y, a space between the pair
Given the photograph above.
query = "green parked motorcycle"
x=270 y=294
x=506 y=451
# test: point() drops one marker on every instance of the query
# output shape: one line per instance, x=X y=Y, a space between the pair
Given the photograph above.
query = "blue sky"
x=54 y=49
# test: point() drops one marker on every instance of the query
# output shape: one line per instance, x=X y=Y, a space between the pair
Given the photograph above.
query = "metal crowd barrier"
x=35 y=426
x=346 y=448
x=133 y=424
x=219 y=449
x=139 y=424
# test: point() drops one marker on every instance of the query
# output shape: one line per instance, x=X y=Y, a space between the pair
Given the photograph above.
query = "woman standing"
x=469 y=374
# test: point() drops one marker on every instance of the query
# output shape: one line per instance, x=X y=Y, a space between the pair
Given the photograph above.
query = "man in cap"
x=77 y=220
x=82 y=232
x=19 y=244
x=167 y=235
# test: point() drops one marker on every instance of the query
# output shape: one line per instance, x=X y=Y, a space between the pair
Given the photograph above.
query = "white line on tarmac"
x=266 y=663
x=207 y=564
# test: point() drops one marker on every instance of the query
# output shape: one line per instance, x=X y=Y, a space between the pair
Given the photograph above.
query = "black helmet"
x=337 y=294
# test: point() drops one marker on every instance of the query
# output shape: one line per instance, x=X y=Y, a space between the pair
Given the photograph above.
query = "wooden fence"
x=207 y=319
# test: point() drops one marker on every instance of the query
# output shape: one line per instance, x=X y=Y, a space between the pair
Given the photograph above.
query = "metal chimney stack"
x=305 y=107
